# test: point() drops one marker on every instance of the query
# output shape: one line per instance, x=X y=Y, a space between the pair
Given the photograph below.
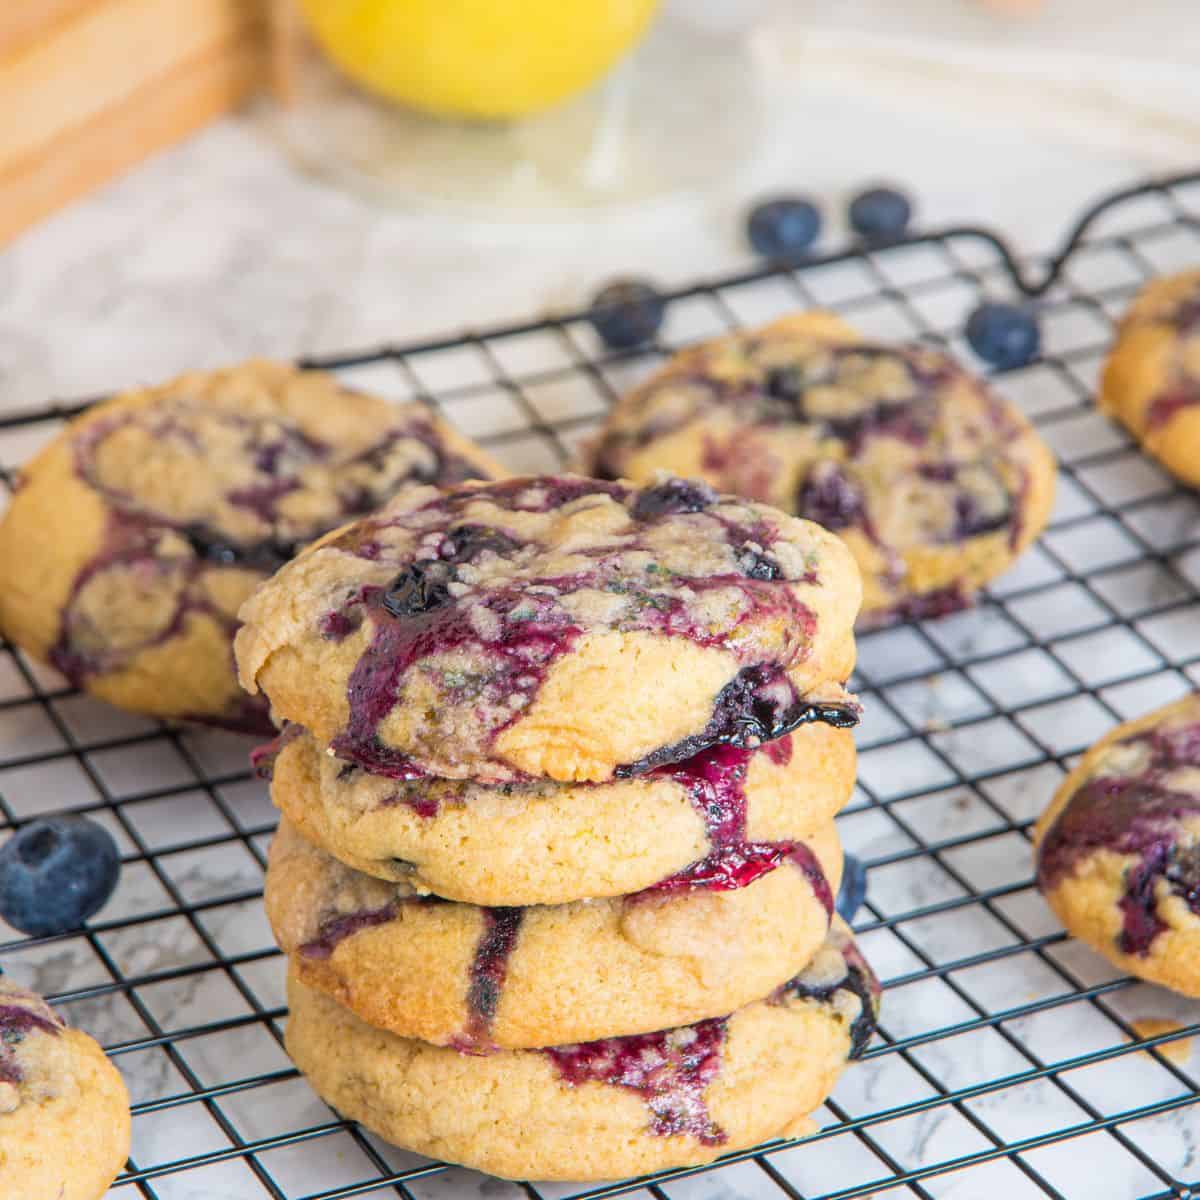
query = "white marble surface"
x=215 y=251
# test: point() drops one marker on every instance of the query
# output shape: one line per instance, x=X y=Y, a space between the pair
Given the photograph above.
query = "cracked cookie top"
x=31 y=1065
x=698 y=944
x=545 y=842
x=1123 y=834
x=555 y=626
x=1151 y=380
x=935 y=482
x=136 y=535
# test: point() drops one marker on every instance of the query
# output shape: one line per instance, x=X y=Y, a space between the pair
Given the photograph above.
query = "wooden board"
x=22 y=21
x=101 y=84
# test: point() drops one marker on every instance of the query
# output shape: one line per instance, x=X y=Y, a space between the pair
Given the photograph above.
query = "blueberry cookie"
x=601 y=1109
x=722 y=932
x=64 y=1110
x=1118 y=850
x=555 y=627
x=935 y=482
x=549 y=843
x=1151 y=381
x=136 y=534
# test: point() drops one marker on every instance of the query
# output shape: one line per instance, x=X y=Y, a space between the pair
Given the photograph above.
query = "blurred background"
x=191 y=183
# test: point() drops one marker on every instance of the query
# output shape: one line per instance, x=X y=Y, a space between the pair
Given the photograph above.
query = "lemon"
x=488 y=59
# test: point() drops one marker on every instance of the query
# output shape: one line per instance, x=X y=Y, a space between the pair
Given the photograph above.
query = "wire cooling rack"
x=1009 y=1060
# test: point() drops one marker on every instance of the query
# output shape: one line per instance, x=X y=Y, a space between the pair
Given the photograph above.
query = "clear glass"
x=683 y=109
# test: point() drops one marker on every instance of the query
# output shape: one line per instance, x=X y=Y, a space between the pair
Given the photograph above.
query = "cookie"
x=64 y=1110
x=1118 y=850
x=698 y=944
x=555 y=627
x=136 y=534
x=550 y=843
x=934 y=481
x=1151 y=381
x=603 y=1109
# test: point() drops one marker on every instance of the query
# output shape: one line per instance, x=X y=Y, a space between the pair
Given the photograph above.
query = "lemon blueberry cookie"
x=64 y=1110
x=935 y=482
x=1118 y=850
x=722 y=932
x=541 y=842
x=1151 y=381
x=602 y=1109
x=136 y=534
x=555 y=627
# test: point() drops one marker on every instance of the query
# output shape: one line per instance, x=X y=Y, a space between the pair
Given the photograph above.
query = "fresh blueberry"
x=268 y=555
x=854 y=888
x=673 y=496
x=627 y=313
x=1183 y=872
x=55 y=873
x=467 y=542
x=1004 y=335
x=785 y=383
x=829 y=497
x=783 y=228
x=758 y=566
x=421 y=586
x=880 y=214
x=973 y=519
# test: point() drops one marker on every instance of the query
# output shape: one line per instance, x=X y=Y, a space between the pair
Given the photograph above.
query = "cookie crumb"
x=1178 y=1051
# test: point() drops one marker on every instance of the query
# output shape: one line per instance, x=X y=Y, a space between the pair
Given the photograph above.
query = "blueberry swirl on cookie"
x=607 y=1108
x=64 y=1110
x=137 y=533
x=1151 y=381
x=1118 y=850
x=475 y=977
x=935 y=482
x=556 y=627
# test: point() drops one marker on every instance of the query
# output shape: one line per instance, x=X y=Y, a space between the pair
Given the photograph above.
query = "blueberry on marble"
x=673 y=496
x=627 y=313
x=420 y=587
x=853 y=891
x=783 y=228
x=56 y=872
x=1004 y=335
x=880 y=214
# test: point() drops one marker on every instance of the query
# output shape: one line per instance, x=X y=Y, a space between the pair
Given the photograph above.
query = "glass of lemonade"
x=515 y=108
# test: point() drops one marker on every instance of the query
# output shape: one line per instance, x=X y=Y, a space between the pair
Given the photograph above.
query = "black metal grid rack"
x=1010 y=1058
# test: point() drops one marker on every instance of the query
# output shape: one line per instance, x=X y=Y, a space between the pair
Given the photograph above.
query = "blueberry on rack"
x=56 y=872
x=1004 y=335
x=880 y=214
x=783 y=228
x=627 y=313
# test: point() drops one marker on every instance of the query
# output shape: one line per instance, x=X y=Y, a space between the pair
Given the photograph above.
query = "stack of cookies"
x=556 y=868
